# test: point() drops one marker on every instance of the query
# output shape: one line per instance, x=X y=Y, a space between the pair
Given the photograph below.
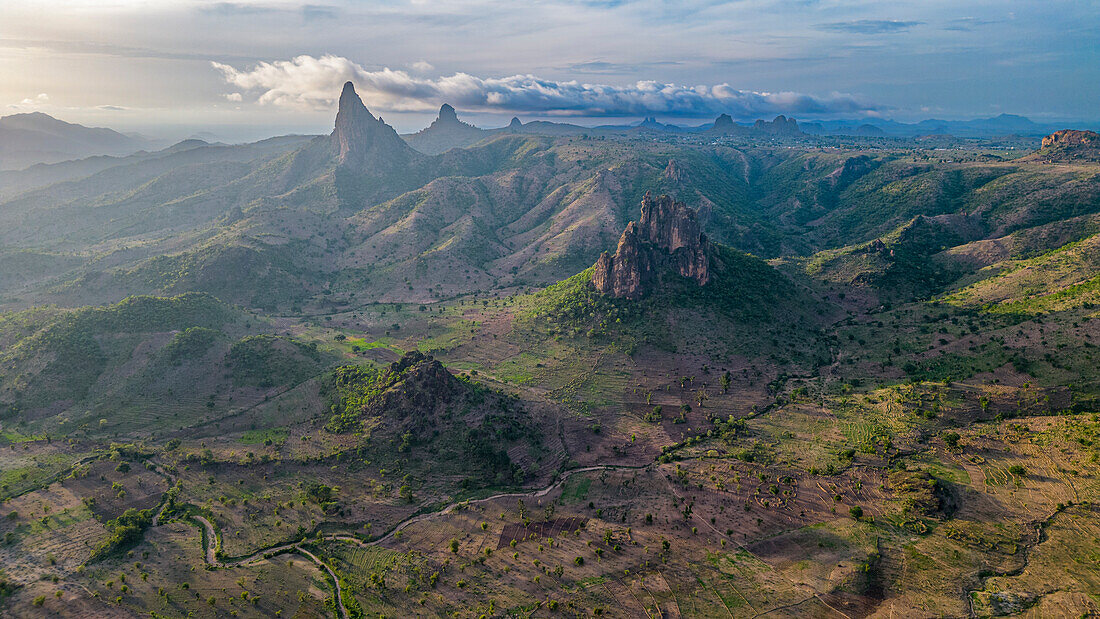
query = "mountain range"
x=35 y=138
x=361 y=211
x=27 y=139
x=547 y=370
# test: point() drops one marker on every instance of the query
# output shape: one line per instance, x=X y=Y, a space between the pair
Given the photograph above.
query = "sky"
x=254 y=68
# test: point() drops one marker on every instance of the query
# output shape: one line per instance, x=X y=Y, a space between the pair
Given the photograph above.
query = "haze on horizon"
x=254 y=68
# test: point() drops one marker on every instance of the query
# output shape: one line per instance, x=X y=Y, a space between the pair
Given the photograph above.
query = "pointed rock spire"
x=351 y=106
x=446 y=114
x=515 y=124
x=667 y=237
x=359 y=135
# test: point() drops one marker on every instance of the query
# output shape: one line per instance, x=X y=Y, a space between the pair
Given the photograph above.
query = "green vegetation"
x=898 y=408
x=266 y=360
x=190 y=344
x=60 y=354
x=125 y=531
x=348 y=389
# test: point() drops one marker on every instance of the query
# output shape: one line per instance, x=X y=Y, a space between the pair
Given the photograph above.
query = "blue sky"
x=259 y=67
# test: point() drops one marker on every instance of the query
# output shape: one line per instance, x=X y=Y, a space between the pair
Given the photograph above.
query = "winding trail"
x=210 y=533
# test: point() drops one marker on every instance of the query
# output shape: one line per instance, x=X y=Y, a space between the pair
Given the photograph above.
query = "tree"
x=406 y=493
x=856 y=511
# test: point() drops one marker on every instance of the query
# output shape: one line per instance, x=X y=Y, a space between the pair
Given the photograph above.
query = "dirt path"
x=504 y=495
x=210 y=537
x=336 y=581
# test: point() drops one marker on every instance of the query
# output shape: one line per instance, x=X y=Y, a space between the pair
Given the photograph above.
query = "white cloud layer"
x=309 y=82
x=41 y=98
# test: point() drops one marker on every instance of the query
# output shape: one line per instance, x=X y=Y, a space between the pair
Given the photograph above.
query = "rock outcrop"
x=1069 y=145
x=445 y=132
x=676 y=172
x=1072 y=137
x=781 y=125
x=724 y=124
x=418 y=390
x=447 y=116
x=361 y=140
x=667 y=238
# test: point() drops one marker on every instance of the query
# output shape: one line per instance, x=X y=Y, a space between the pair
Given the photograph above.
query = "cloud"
x=314 y=83
x=314 y=12
x=104 y=49
x=231 y=9
x=112 y=108
x=423 y=66
x=617 y=68
x=968 y=24
x=41 y=98
x=870 y=26
x=234 y=96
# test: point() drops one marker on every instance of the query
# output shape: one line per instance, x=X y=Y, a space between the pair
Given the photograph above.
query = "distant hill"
x=445 y=132
x=1069 y=145
x=27 y=139
x=996 y=126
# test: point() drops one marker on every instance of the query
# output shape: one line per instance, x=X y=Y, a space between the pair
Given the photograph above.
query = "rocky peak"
x=1071 y=137
x=781 y=125
x=417 y=386
x=448 y=119
x=358 y=136
x=515 y=124
x=411 y=358
x=670 y=225
x=723 y=123
x=675 y=172
x=1069 y=145
x=446 y=114
x=666 y=238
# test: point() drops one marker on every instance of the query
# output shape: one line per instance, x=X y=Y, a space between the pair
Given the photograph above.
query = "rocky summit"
x=360 y=138
x=666 y=238
x=445 y=132
x=447 y=114
x=1071 y=137
x=1069 y=145
x=781 y=125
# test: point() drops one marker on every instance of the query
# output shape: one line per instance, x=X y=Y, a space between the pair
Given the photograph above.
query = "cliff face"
x=1072 y=137
x=667 y=237
x=1069 y=145
x=361 y=140
x=781 y=125
x=628 y=273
